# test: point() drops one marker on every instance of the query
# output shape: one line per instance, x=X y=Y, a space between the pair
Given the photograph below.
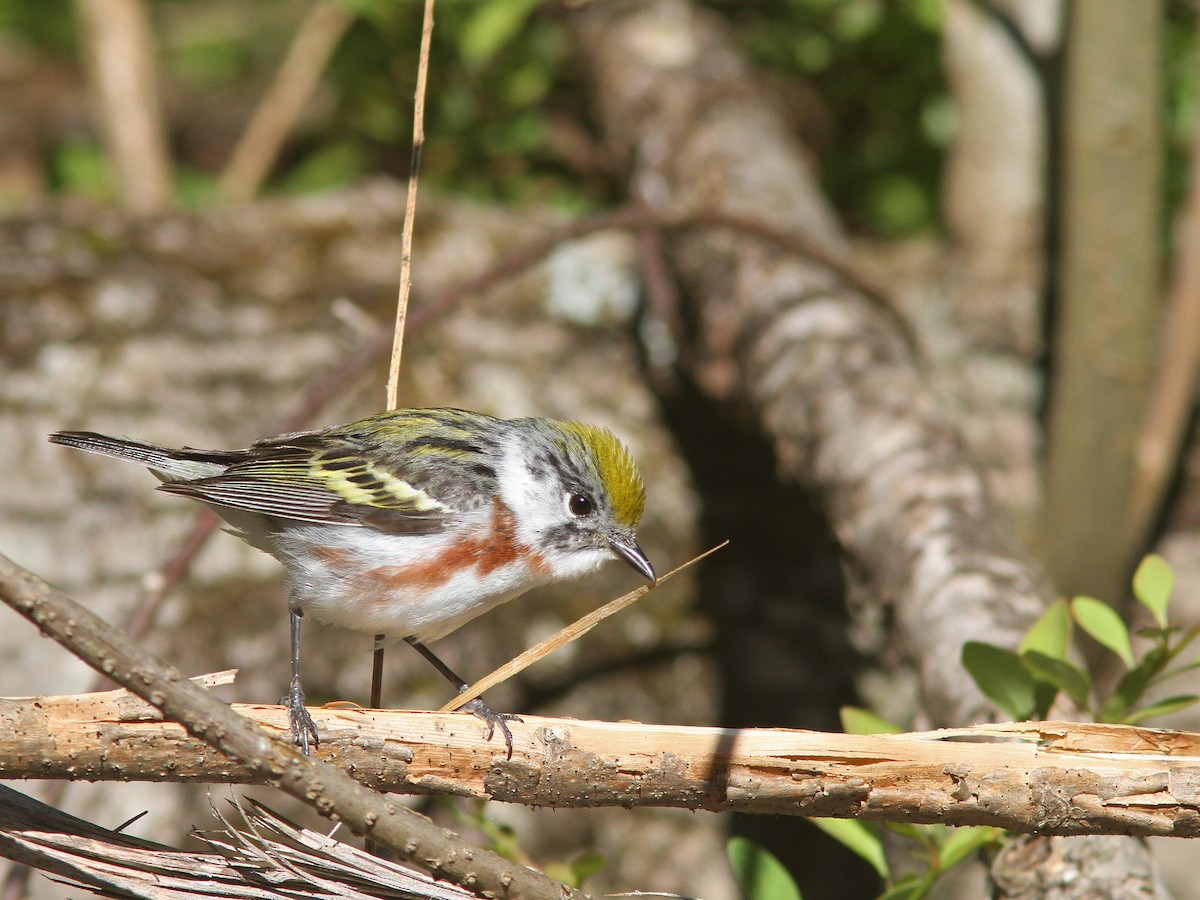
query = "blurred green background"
x=506 y=120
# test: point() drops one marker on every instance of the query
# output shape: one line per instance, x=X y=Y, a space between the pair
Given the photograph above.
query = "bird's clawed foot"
x=493 y=719
x=302 y=723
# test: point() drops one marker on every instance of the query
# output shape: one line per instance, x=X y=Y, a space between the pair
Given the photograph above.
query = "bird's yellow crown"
x=617 y=470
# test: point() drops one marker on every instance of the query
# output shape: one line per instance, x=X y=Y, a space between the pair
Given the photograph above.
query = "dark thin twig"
x=375 y=703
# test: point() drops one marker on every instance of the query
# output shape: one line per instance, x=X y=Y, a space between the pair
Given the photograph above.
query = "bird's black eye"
x=580 y=505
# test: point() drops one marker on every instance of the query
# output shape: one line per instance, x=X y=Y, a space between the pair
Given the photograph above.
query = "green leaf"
x=759 y=874
x=858 y=837
x=492 y=25
x=1153 y=583
x=856 y=720
x=1102 y=622
x=964 y=841
x=1001 y=676
x=1163 y=707
x=1051 y=633
x=1064 y=675
x=1112 y=710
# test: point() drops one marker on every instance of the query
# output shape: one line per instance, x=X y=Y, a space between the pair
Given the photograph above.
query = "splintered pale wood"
x=1048 y=777
x=264 y=857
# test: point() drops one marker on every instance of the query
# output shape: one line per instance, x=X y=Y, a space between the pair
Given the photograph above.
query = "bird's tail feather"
x=167 y=463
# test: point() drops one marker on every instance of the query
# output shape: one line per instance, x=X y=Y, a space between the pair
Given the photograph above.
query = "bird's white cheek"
x=575 y=563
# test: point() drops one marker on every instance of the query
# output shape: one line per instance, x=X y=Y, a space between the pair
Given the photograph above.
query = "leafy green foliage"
x=327 y=167
x=48 y=25
x=863 y=77
x=1025 y=684
x=863 y=838
x=574 y=872
x=502 y=839
x=493 y=24
x=80 y=167
x=1061 y=673
x=878 y=111
x=1101 y=621
x=938 y=847
x=1051 y=633
x=759 y=874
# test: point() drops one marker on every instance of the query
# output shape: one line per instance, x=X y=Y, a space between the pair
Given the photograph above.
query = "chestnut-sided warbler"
x=413 y=522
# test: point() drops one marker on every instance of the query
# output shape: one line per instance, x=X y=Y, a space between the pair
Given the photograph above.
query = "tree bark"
x=1109 y=294
x=1057 y=869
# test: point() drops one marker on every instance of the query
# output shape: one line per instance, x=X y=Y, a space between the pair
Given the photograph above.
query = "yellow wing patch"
x=361 y=484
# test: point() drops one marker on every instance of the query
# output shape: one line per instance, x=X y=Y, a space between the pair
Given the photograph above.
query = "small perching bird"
x=411 y=523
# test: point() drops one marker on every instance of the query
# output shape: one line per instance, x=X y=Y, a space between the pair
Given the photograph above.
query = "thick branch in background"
x=993 y=193
x=1047 y=777
x=119 y=47
x=828 y=374
x=1172 y=397
x=1108 y=294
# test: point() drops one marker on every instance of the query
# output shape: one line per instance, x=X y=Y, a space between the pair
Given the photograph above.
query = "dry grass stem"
x=1033 y=777
x=410 y=209
x=564 y=636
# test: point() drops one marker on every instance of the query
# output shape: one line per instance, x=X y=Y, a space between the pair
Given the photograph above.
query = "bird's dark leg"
x=476 y=707
x=302 y=723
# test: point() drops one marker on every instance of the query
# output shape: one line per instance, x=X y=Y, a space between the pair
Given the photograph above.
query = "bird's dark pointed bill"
x=634 y=555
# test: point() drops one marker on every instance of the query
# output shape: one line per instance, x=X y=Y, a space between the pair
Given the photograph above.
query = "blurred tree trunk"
x=994 y=180
x=117 y=38
x=1108 y=293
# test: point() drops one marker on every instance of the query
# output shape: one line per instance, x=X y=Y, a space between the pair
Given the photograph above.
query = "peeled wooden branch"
x=1044 y=778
